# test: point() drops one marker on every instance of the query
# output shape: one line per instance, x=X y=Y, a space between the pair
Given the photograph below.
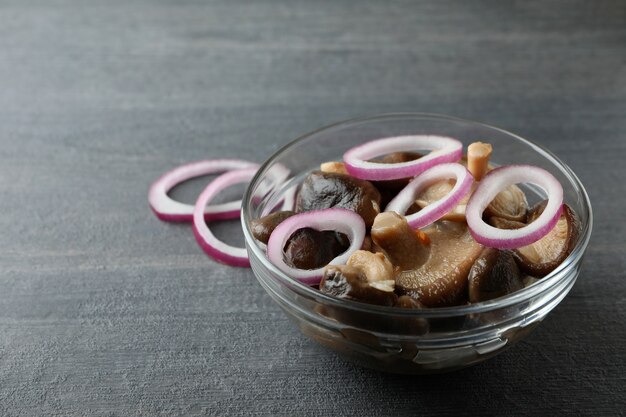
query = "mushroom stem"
x=478 y=154
x=399 y=241
x=334 y=167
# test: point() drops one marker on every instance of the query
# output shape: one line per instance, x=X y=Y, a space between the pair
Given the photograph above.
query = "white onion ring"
x=214 y=247
x=336 y=219
x=496 y=181
x=438 y=209
x=170 y=210
x=443 y=149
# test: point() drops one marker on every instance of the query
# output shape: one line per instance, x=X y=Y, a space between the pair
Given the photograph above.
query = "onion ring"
x=496 y=181
x=438 y=209
x=167 y=209
x=214 y=247
x=443 y=149
x=336 y=219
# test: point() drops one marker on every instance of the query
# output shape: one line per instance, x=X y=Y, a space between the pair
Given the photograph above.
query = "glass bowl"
x=399 y=340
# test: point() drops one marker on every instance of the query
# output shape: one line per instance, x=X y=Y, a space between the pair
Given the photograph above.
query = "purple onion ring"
x=438 y=209
x=337 y=219
x=496 y=181
x=214 y=247
x=170 y=210
x=443 y=149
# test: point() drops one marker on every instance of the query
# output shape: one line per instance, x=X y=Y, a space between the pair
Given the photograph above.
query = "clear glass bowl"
x=401 y=340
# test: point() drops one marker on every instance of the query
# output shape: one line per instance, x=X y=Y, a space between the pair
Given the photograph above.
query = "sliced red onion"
x=438 y=209
x=337 y=219
x=168 y=209
x=496 y=181
x=443 y=149
x=214 y=247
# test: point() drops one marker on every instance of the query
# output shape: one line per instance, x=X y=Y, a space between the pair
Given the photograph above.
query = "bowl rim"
x=543 y=285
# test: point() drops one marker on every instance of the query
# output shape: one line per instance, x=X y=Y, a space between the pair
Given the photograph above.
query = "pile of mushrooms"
x=439 y=265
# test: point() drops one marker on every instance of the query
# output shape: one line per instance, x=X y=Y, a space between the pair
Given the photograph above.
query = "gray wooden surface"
x=106 y=311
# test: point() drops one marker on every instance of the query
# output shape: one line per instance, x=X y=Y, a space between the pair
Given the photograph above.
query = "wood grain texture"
x=105 y=311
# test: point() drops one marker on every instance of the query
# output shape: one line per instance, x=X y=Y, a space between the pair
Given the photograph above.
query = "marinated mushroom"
x=398 y=157
x=410 y=324
x=344 y=281
x=494 y=274
x=436 y=192
x=321 y=190
x=477 y=163
x=478 y=154
x=395 y=158
x=501 y=223
x=389 y=189
x=435 y=274
x=310 y=249
x=543 y=256
x=509 y=204
x=334 y=167
x=404 y=247
x=406 y=301
x=375 y=266
x=262 y=228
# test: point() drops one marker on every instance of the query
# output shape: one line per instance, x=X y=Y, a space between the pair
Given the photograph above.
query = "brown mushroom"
x=439 y=190
x=334 y=167
x=412 y=325
x=435 y=274
x=398 y=157
x=501 y=223
x=403 y=246
x=389 y=189
x=322 y=190
x=344 y=281
x=477 y=162
x=494 y=274
x=395 y=158
x=478 y=154
x=262 y=228
x=375 y=266
x=509 y=204
x=406 y=301
x=310 y=249
x=542 y=257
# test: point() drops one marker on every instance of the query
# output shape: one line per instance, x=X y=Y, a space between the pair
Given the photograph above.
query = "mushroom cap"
x=322 y=190
x=442 y=279
x=509 y=204
x=308 y=248
x=345 y=281
x=263 y=227
x=494 y=274
x=542 y=257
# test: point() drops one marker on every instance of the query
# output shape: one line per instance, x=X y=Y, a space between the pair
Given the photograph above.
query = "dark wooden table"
x=106 y=311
